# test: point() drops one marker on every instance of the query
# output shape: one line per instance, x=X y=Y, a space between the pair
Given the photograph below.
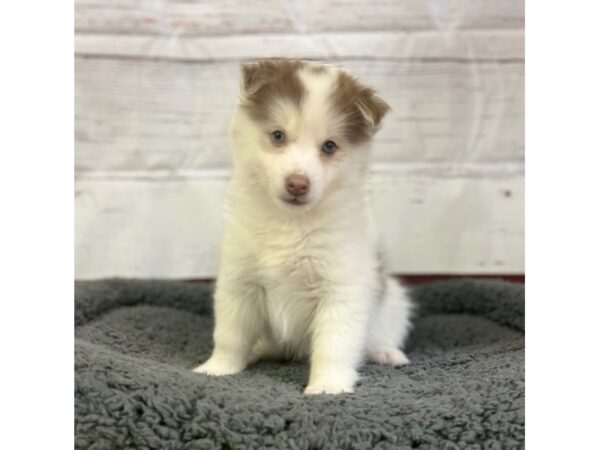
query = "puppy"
x=301 y=274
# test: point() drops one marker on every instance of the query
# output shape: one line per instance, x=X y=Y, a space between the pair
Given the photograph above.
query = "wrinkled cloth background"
x=156 y=83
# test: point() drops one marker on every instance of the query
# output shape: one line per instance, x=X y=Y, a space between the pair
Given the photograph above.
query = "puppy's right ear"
x=254 y=76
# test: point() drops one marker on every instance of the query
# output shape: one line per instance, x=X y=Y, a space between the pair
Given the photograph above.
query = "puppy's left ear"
x=372 y=107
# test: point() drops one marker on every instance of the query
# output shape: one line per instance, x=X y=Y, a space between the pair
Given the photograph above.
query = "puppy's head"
x=301 y=130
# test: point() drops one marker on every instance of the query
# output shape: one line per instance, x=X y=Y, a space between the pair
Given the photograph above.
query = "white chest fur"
x=294 y=282
x=299 y=263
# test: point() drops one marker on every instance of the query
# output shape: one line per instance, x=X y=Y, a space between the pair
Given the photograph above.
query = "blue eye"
x=329 y=147
x=278 y=137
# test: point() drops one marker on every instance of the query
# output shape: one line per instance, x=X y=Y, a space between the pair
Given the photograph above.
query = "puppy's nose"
x=297 y=185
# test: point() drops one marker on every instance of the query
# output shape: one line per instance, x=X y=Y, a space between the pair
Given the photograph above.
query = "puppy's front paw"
x=327 y=388
x=219 y=366
x=331 y=380
x=388 y=356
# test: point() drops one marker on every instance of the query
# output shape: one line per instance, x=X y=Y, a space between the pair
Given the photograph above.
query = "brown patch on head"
x=361 y=109
x=265 y=82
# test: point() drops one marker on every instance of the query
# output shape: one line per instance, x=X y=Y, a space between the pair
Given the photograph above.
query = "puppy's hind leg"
x=389 y=326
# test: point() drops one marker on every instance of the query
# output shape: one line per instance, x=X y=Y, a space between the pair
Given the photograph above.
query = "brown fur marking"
x=361 y=108
x=268 y=80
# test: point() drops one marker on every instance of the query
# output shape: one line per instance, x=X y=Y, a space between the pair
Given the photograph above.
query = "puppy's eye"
x=278 y=137
x=329 y=147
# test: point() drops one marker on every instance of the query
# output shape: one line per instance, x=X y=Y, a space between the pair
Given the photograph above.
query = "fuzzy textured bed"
x=136 y=341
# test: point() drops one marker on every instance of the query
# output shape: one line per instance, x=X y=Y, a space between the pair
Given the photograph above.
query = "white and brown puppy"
x=301 y=274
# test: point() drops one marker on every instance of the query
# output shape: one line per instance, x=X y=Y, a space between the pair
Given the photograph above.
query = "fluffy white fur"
x=303 y=280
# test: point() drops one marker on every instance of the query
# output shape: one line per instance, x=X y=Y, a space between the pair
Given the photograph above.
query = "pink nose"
x=297 y=185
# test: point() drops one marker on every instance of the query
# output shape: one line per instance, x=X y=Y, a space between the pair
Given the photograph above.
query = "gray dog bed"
x=136 y=342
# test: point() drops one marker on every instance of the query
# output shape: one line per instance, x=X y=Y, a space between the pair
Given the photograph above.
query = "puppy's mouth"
x=296 y=201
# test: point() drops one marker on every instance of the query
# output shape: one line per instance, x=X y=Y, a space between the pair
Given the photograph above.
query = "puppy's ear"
x=360 y=107
x=372 y=107
x=255 y=75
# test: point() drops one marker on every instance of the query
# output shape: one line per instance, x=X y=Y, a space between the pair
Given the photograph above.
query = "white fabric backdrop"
x=155 y=83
